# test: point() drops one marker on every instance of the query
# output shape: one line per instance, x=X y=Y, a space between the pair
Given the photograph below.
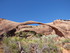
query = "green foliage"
x=43 y=44
x=38 y=43
x=38 y=35
x=66 y=40
x=25 y=34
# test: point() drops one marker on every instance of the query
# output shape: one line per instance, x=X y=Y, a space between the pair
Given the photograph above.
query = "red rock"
x=59 y=27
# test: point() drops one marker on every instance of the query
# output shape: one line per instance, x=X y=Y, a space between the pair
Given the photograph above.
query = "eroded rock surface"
x=59 y=27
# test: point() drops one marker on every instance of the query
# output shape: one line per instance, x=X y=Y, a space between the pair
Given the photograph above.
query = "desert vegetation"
x=31 y=42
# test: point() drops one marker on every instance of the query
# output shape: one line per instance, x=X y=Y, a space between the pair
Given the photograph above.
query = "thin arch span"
x=56 y=29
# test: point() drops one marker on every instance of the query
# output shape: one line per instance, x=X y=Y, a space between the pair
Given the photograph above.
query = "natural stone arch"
x=57 y=31
x=10 y=25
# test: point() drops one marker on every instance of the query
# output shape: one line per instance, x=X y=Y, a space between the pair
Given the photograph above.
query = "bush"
x=43 y=44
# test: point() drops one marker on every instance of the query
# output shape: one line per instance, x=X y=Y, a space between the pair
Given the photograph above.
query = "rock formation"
x=59 y=27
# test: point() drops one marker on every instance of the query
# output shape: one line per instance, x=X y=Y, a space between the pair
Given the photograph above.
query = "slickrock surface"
x=59 y=27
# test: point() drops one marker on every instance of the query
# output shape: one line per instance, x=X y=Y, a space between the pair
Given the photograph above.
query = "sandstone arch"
x=6 y=26
x=57 y=31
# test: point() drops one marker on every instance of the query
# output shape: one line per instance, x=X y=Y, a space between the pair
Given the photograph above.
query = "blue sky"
x=37 y=10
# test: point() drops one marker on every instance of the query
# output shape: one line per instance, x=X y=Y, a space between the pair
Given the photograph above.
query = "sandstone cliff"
x=59 y=27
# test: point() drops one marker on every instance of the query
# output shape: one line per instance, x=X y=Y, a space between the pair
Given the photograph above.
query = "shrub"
x=43 y=44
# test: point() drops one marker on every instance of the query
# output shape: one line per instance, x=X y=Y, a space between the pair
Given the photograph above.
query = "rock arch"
x=57 y=31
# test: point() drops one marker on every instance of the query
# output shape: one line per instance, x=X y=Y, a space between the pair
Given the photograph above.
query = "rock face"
x=59 y=27
x=6 y=25
x=63 y=26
